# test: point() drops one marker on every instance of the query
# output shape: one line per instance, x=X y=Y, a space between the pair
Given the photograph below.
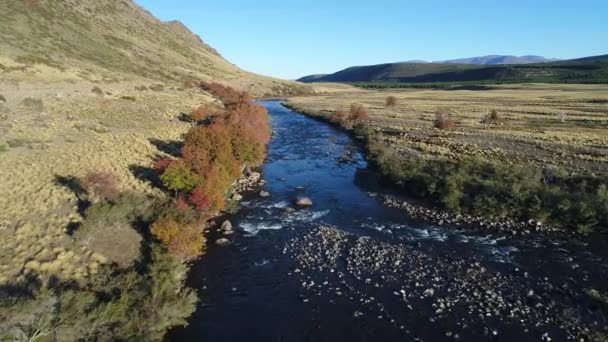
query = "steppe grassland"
x=63 y=129
x=532 y=128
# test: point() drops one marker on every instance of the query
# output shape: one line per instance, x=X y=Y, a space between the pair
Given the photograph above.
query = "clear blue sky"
x=289 y=38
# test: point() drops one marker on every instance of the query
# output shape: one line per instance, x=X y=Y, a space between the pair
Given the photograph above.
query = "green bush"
x=114 y=306
x=495 y=189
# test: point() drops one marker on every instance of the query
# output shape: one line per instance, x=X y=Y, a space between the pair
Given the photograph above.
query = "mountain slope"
x=500 y=59
x=111 y=40
x=584 y=70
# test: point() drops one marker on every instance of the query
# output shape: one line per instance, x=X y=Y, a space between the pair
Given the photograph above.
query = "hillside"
x=109 y=41
x=94 y=87
x=500 y=59
x=584 y=70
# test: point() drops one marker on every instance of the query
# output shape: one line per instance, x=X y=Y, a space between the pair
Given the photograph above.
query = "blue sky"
x=289 y=38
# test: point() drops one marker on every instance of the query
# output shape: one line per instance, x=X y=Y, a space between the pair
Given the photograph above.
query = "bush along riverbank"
x=489 y=194
x=141 y=244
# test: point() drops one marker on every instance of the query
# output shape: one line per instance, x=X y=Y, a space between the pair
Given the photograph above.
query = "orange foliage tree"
x=182 y=239
x=216 y=149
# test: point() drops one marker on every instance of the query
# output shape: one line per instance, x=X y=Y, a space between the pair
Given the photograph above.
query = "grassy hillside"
x=92 y=94
x=584 y=70
x=111 y=41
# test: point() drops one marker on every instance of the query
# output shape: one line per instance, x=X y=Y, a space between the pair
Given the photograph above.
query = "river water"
x=351 y=269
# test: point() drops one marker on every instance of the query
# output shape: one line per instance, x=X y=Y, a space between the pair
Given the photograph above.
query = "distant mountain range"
x=493 y=68
x=491 y=60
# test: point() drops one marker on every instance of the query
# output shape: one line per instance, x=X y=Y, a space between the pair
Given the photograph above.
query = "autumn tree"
x=444 y=120
x=182 y=239
x=358 y=113
x=102 y=184
x=179 y=177
x=339 y=116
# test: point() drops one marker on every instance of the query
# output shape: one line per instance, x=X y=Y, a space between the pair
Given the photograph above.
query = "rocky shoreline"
x=423 y=296
x=508 y=226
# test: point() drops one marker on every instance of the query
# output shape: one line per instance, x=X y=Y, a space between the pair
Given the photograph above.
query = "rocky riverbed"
x=422 y=294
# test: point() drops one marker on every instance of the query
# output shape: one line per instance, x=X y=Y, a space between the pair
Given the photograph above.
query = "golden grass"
x=531 y=130
x=76 y=132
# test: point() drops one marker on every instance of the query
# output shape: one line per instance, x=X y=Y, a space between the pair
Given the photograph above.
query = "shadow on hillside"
x=146 y=174
x=183 y=117
x=170 y=147
x=74 y=185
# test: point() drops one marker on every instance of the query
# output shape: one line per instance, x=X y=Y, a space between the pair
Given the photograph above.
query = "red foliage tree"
x=102 y=184
x=444 y=120
x=358 y=112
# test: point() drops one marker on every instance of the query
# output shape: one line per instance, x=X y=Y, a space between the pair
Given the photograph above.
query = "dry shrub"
x=339 y=116
x=102 y=184
x=444 y=120
x=189 y=84
x=492 y=118
x=97 y=91
x=32 y=103
x=2 y=98
x=205 y=111
x=358 y=112
x=128 y=98
x=182 y=239
x=391 y=101
x=141 y=88
x=157 y=87
x=160 y=165
x=230 y=96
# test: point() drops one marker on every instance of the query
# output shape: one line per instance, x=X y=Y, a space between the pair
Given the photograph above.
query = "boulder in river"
x=222 y=242
x=226 y=226
x=264 y=193
x=302 y=201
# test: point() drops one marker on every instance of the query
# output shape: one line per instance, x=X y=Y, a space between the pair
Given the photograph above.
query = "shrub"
x=179 y=177
x=2 y=98
x=495 y=189
x=189 y=84
x=339 y=117
x=492 y=118
x=102 y=184
x=160 y=165
x=182 y=239
x=358 y=112
x=204 y=112
x=141 y=88
x=115 y=305
x=32 y=103
x=128 y=98
x=157 y=87
x=391 y=101
x=96 y=90
x=230 y=96
x=443 y=120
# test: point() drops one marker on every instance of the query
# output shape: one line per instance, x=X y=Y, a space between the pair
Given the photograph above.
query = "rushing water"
x=253 y=289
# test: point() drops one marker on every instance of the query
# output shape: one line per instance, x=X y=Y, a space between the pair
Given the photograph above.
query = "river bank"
x=483 y=183
x=349 y=267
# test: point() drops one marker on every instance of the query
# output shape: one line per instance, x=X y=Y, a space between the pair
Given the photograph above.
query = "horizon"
x=288 y=40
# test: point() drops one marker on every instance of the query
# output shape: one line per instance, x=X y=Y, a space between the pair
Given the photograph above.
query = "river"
x=351 y=269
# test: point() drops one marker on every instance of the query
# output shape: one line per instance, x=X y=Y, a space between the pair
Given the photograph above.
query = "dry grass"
x=75 y=133
x=530 y=128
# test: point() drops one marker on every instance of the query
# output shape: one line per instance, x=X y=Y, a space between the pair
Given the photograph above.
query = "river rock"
x=222 y=242
x=226 y=226
x=302 y=201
